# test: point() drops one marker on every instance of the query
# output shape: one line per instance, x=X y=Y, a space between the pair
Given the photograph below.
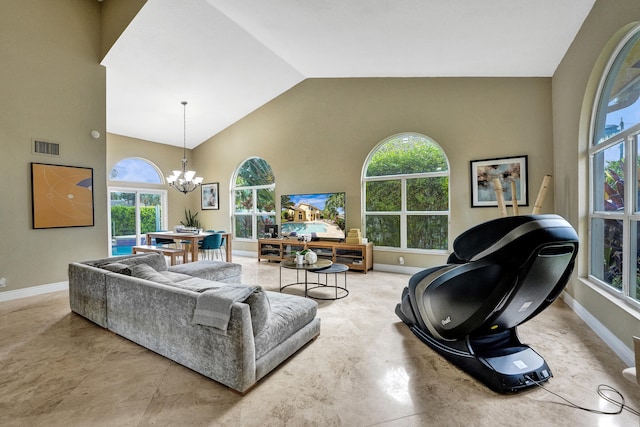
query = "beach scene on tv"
x=321 y=216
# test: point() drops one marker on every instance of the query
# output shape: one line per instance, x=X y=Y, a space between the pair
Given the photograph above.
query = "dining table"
x=192 y=238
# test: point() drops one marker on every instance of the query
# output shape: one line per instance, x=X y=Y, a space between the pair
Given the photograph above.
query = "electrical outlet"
x=401 y=260
x=3 y=282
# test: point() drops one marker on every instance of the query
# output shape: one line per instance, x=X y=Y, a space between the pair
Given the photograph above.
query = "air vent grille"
x=46 y=147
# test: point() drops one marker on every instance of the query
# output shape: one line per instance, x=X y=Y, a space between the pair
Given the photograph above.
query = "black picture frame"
x=210 y=195
x=506 y=169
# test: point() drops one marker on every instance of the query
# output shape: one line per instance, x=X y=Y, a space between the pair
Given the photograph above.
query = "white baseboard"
x=248 y=254
x=401 y=269
x=619 y=348
x=34 y=290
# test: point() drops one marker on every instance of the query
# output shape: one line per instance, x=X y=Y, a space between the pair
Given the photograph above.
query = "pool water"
x=121 y=250
x=304 y=227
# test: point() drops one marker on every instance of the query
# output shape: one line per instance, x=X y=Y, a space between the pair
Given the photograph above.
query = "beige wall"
x=115 y=17
x=574 y=89
x=53 y=88
x=318 y=135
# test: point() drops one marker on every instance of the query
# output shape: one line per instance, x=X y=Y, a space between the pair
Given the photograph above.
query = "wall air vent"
x=46 y=147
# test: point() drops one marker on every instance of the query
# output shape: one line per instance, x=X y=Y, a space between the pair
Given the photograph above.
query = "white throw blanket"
x=213 y=307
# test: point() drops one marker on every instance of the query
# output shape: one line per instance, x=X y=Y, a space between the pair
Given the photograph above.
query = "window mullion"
x=626 y=222
x=403 y=213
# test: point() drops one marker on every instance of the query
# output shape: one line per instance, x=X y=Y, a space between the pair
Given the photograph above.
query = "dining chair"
x=200 y=242
x=223 y=244
x=164 y=242
x=212 y=243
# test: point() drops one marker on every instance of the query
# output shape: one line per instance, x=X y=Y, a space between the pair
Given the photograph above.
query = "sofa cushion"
x=289 y=313
x=118 y=267
x=155 y=260
x=218 y=271
x=144 y=271
x=260 y=310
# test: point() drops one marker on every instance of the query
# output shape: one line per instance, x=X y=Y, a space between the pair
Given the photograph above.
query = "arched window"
x=135 y=169
x=406 y=194
x=254 y=198
x=614 y=157
x=137 y=204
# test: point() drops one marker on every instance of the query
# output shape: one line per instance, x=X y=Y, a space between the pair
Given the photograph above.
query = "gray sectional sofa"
x=196 y=314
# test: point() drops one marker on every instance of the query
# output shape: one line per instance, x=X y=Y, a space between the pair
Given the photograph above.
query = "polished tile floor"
x=366 y=368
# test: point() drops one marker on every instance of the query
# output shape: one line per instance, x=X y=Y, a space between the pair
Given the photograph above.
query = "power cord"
x=602 y=390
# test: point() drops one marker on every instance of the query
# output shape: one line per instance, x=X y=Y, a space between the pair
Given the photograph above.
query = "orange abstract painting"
x=62 y=196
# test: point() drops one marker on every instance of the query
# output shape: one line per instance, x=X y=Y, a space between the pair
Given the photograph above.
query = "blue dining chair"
x=200 y=242
x=212 y=243
x=223 y=245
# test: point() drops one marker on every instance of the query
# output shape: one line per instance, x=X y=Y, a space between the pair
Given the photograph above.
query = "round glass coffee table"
x=305 y=267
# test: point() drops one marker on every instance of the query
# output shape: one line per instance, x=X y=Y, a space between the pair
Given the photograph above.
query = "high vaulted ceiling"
x=229 y=57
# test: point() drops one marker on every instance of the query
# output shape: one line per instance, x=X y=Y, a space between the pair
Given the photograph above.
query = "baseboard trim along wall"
x=614 y=343
x=32 y=291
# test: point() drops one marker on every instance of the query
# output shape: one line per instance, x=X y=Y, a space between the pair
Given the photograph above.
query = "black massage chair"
x=501 y=274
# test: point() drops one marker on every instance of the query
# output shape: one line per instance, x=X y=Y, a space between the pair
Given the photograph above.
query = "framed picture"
x=61 y=196
x=506 y=170
x=210 y=199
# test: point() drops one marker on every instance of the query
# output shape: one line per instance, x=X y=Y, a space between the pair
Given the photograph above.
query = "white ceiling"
x=229 y=57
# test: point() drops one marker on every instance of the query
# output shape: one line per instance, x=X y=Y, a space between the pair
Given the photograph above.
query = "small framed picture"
x=506 y=170
x=210 y=199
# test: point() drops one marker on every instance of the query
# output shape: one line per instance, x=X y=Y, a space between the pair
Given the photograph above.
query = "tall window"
x=254 y=198
x=406 y=194
x=137 y=205
x=614 y=157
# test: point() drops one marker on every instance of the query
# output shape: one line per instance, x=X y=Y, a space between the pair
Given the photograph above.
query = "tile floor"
x=366 y=368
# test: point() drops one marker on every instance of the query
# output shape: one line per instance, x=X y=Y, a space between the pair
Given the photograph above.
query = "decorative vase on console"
x=311 y=257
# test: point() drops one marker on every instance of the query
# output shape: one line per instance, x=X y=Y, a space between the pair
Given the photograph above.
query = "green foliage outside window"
x=253 y=174
x=427 y=231
x=266 y=200
x=123 y=220
x=428 y=194
x=384 y=196
x=384 y=230
x=417 y=170
x=243 y=226
x=406 y=155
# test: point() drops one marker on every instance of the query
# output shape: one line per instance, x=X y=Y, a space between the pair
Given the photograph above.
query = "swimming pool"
x=304 y=227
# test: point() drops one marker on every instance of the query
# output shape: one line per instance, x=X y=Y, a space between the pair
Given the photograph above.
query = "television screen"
x=320 y=216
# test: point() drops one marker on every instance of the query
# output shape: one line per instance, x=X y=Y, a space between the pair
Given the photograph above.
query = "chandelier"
x=184 y=181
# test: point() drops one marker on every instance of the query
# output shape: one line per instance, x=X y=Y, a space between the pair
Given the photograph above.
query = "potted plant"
x=306 y=255
x=191 y=222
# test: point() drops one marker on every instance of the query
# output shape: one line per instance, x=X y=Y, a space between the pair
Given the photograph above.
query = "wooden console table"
x=357 y=257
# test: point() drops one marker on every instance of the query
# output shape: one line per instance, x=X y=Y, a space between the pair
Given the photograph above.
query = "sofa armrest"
x=87 y=292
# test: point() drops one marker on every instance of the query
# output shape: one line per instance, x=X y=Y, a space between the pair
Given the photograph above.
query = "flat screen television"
x=320 y=216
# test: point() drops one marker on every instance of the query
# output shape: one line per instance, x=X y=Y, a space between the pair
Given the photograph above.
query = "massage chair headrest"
x=511 y=239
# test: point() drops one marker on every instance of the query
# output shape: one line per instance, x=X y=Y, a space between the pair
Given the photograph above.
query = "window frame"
x=254 y=214
x=630 y=214
x=404 y=213
x=161 y=178
x=138 y=188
